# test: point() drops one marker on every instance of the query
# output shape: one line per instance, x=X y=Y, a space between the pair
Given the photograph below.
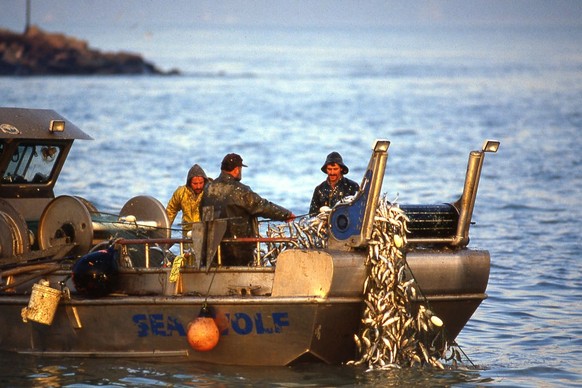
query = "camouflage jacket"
x=240 y=205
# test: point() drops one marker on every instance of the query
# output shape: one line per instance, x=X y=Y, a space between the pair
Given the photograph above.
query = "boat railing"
x=183 y=242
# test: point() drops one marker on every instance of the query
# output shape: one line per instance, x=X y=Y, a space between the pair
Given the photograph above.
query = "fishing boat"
x=133 y=302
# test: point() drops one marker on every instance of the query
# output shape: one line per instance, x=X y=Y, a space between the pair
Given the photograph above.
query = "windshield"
x=31 y=163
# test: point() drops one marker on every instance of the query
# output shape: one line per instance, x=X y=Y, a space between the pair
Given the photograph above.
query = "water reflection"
x=51 y=372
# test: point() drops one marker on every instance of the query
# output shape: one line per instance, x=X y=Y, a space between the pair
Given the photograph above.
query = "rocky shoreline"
x=36 y=52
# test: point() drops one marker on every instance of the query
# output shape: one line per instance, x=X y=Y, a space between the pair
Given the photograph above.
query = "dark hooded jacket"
x=195 y=170
x=240 y=205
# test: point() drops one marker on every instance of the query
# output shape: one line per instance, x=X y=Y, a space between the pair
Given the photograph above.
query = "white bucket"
x=42 y=305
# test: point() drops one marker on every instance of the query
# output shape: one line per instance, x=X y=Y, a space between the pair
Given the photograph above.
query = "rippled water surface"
x=283 y=99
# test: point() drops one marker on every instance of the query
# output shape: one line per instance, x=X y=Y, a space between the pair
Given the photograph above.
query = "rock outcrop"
x=40 y=53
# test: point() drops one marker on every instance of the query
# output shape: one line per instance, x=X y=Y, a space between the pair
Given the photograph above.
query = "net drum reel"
x=14 y=234
x=145 y=207
x=66 y=219
x=431 y=221
x=75 y=220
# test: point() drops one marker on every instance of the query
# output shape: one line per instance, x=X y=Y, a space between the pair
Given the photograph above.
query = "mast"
x=27 y=26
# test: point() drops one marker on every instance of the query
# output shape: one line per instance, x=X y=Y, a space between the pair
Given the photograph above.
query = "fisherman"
x=336 y=187
x=187 y=199
x=237 y=203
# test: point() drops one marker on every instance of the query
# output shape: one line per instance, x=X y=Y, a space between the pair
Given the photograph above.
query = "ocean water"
x=284 y=99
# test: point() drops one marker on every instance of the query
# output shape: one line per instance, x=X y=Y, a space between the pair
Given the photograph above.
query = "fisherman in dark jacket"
x=240 y=206
x=336 y=187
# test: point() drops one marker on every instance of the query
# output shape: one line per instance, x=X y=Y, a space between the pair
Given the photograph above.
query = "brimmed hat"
x=332 y=158
x=231 y=161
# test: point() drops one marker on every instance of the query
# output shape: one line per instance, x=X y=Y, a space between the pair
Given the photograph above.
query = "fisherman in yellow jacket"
x=187 y=198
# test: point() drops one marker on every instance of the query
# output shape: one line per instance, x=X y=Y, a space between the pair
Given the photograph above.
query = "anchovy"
x=392 y=333
x=399 y=336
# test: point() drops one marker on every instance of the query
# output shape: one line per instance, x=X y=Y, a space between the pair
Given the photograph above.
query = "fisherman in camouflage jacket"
x=241 y=206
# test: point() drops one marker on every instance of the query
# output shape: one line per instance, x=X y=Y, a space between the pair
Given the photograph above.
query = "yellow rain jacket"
x=185 y=200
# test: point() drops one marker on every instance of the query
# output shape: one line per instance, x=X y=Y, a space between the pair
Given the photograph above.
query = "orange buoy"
x=203 y=334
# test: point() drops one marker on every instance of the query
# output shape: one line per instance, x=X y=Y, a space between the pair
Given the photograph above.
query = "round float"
x=203 y=333
x=97 y=273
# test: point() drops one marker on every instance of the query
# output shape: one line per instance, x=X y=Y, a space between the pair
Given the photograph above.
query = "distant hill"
x=41 y=53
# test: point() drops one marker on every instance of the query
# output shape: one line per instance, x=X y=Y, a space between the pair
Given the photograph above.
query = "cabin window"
x=32 y=163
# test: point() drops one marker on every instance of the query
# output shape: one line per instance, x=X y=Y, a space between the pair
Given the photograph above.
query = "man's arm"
x=315 y=202
x=258 y=206
x=174 y=206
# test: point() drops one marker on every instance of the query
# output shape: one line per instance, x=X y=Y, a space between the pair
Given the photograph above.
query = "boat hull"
x=261 y=320
x=253 y=330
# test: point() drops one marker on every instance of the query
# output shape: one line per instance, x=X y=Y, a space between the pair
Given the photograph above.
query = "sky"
x=59 y=15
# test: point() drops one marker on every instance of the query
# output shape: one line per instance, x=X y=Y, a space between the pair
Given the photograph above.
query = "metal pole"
x=27 y=26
